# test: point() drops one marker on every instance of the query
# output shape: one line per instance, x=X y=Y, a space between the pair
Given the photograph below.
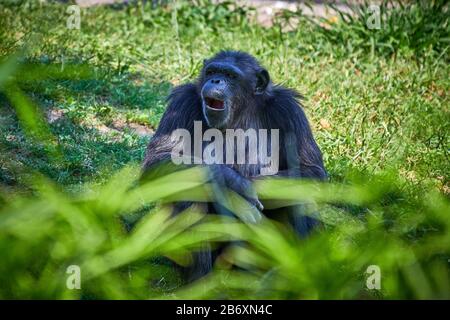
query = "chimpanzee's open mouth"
x=215 y=104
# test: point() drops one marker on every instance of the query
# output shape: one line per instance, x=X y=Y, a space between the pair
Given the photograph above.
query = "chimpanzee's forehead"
x=242 y=60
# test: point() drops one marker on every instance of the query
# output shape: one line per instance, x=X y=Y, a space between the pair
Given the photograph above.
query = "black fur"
x=256 y=103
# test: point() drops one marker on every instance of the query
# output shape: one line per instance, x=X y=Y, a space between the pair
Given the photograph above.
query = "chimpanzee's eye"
x=230 y=75
x=209 y=72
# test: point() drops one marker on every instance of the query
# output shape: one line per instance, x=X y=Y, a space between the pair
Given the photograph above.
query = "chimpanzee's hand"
x=225 y=176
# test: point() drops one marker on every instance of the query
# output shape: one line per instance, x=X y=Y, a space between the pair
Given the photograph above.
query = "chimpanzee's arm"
x=299 y=154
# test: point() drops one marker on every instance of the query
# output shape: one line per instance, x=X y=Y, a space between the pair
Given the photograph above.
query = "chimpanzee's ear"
x=262 y=81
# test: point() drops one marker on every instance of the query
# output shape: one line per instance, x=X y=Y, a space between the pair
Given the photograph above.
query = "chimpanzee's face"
x=226 y=87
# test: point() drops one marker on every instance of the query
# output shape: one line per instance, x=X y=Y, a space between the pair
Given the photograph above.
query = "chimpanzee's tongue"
x=214 y=103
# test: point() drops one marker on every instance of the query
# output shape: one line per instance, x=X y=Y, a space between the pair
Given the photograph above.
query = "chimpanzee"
x=233 y=91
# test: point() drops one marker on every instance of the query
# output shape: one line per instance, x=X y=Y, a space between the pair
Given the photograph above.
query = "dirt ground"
x=265 y=9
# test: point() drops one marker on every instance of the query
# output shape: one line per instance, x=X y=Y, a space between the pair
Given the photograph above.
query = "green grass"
x=377 y=101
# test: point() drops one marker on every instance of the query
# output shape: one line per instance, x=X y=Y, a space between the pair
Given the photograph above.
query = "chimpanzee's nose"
x=216 y=81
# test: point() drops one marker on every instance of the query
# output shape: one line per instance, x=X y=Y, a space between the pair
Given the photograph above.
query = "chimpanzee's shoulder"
x=283 y=99
x=183 y=92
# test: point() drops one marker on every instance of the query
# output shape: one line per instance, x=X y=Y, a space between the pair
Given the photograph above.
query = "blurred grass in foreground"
x=40 y=236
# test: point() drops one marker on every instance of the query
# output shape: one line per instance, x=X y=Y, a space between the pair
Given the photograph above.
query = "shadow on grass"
x=100 y=125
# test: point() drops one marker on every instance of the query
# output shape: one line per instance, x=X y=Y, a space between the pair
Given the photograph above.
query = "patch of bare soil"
x=116 y=129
